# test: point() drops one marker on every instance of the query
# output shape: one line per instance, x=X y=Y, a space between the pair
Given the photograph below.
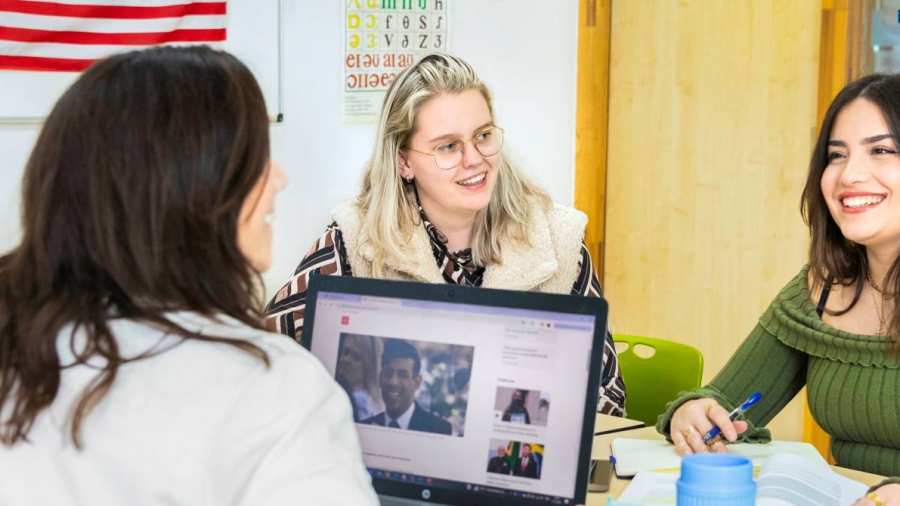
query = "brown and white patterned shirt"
x=328 y=256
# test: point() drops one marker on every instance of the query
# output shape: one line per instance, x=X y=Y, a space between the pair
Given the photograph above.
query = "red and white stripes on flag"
x=68 y=36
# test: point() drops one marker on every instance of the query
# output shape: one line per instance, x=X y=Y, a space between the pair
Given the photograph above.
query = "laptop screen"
x=470 y=396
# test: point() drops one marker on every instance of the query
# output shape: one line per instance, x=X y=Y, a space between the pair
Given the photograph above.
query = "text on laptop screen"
x=461 y=395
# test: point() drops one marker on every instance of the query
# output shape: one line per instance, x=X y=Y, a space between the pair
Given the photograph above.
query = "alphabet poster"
x=383 y=37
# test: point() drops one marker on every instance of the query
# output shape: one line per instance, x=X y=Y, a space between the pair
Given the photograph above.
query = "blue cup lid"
x=716 y=475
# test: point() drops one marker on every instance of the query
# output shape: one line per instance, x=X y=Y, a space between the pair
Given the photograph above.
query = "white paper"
x=651 y=488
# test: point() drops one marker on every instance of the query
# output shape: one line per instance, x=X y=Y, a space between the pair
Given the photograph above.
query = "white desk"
x=606 y=424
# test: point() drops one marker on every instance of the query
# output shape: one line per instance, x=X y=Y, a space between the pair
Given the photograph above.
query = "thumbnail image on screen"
x=515 y=458
x=404 y=383
x=522 y=406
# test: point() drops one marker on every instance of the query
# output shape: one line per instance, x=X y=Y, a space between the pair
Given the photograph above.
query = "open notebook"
x=634 y=455
x=784 y=480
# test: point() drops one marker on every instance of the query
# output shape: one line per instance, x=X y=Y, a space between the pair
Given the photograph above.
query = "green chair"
x=652 y=381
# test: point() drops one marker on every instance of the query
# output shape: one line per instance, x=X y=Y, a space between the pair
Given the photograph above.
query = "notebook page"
x=792 y=480
x=634 y=455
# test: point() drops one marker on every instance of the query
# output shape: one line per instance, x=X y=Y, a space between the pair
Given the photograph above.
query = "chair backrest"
x=653 y=381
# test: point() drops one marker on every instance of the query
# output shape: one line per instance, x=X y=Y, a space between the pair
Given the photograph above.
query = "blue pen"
x=715 y=431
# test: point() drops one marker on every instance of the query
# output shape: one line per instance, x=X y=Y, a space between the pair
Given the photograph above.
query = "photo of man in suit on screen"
x=399 y=380
x=499 y=463
x=527 y=465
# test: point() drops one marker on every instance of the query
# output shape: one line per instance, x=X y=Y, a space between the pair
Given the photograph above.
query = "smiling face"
x=254 y=235
x=399 y=383
x=460 y=192
x=861 y=184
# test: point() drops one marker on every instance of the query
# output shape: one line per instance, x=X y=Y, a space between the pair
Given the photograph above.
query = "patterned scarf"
x=457 y=267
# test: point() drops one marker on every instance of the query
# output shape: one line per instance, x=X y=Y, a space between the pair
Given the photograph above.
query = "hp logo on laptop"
x=426 y=494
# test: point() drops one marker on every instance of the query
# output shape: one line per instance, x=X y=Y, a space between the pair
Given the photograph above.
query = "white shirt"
x=199 y=424
x=402 y=420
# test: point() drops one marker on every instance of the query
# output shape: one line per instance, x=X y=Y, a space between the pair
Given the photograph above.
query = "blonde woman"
x=441 y=204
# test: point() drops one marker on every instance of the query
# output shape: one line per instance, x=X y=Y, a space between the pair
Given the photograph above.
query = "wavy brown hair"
x=130 y=205
x=832 y=258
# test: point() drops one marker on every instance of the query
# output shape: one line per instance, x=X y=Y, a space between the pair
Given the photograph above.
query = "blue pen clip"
x=715 y=430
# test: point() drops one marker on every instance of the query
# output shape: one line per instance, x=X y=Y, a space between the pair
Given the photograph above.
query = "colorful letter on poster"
x=382 y=37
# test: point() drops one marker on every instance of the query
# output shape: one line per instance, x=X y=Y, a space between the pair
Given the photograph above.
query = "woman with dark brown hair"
x=834 y=327
x=133 y=366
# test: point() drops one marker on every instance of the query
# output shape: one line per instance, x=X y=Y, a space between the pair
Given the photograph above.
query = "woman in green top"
x=833 y=328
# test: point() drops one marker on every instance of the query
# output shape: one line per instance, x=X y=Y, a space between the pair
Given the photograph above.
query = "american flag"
x=69 y=36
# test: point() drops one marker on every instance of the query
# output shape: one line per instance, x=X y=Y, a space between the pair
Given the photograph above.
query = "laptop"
x=463 y=395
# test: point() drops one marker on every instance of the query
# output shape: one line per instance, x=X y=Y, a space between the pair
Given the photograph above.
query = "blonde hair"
x=388 y=205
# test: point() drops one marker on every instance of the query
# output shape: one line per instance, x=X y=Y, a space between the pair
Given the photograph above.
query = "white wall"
x=526 y=50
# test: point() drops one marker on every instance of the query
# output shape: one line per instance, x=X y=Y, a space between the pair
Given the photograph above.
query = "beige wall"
x=711 y=121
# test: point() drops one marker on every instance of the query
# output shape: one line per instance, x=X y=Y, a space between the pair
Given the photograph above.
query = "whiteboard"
x=253 y=36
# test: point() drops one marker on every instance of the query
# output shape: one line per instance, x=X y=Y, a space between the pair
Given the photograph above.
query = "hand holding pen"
x=715 y=433
x=700 y=421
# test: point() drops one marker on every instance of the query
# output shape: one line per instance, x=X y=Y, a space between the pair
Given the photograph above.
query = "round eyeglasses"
x=449 y=154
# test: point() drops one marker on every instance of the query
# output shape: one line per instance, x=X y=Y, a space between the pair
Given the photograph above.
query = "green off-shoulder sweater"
x=853 y=381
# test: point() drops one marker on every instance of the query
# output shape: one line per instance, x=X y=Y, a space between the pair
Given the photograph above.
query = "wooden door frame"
x=592 y=121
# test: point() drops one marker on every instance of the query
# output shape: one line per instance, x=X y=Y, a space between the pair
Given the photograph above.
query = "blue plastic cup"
x=716 y=479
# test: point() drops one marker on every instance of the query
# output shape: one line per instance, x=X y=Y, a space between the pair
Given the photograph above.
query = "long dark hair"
x=833 y=258
x=130 y=205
